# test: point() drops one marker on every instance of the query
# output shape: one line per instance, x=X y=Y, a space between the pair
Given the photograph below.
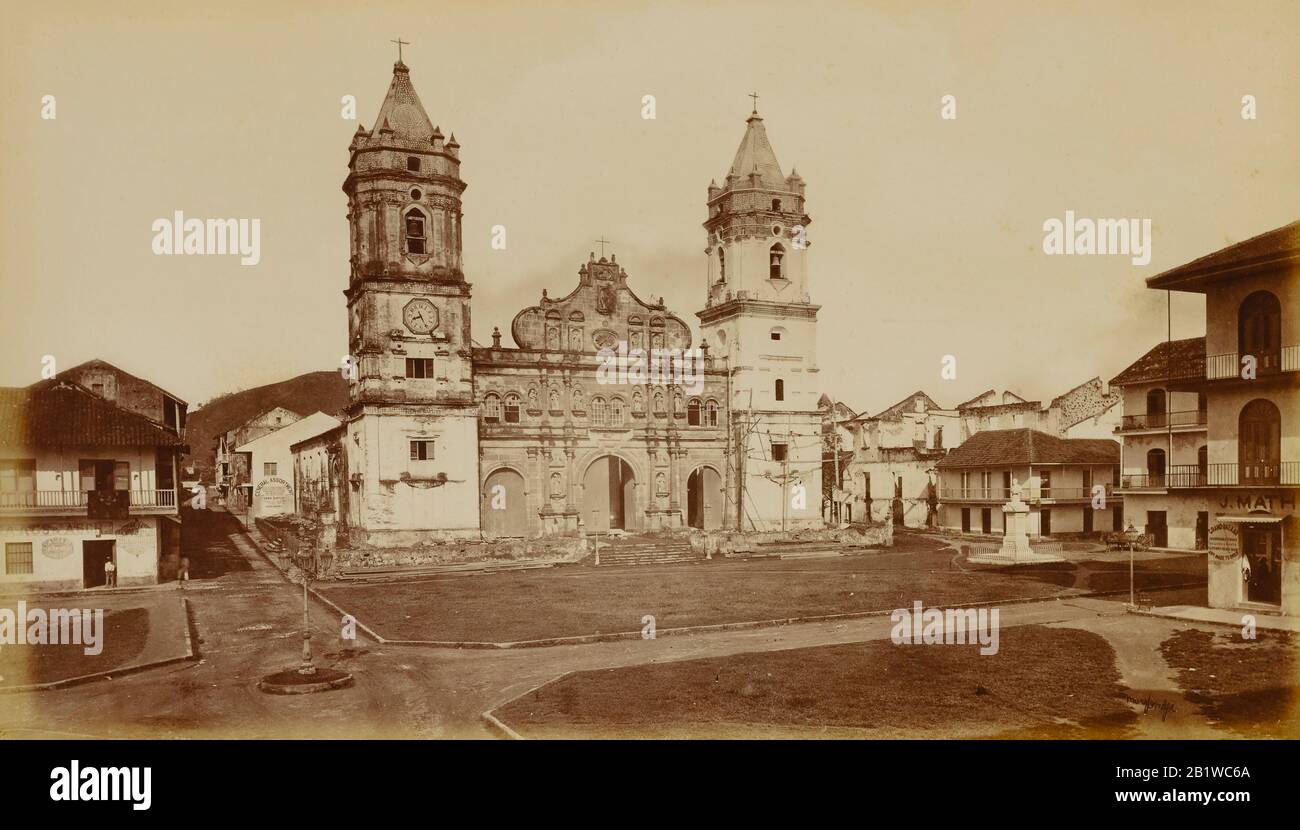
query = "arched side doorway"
x=609 y=496
x=1259 y=331
x=1259 y=443
x=704 y=499
x=505 y=505
x=1155 y=468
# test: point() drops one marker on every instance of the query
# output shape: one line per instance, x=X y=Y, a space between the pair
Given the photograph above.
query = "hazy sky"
x=927 y=233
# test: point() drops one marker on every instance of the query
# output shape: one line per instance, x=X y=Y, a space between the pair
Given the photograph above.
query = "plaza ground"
x=582 y=601
x=247 y=623
x=1042 y=683
x=140 y=628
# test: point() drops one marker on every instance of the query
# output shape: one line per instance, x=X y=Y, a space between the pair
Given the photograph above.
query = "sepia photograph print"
x=601 y=370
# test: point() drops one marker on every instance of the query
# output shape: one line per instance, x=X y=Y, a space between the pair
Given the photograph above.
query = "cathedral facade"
x=446 y=439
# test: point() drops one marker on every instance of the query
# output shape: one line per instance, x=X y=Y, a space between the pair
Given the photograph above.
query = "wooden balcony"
x=1002 y=495
x=1185 y=419
x=92 y=503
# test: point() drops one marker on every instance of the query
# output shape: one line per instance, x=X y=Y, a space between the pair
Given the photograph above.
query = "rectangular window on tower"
x=779 y=451
x=419 y=367
x=422 y=449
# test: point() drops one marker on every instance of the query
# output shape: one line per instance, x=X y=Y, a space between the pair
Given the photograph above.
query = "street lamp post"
x=311 y=565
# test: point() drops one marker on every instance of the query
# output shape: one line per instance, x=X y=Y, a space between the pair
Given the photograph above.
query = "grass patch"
x=123 y=638
x=1043 y=682
x=1250 y=687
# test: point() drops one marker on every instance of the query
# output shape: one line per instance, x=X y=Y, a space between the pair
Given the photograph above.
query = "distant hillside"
x=316 y=391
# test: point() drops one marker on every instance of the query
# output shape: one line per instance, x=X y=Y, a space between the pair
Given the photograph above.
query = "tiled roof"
x=1003 y=447
x=104 y=364
x=1170 y=359
x=402 y=111
x=62 y=414
x=1270 y=248
x=755 y=155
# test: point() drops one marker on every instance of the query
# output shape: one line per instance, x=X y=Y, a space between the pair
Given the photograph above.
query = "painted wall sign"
x=56 y=548
x=1223 y=541
x=273 y=495
x=1266 y=502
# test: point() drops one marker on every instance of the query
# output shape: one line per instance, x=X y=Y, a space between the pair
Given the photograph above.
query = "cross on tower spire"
x=400 y=43
x=603 y=242
x=754 y=95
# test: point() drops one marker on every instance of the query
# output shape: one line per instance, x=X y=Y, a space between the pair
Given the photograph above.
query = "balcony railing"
x=43 y=500
x=1271 y=362
x=1002 y=494
x=80 y=501
x=1163 y=420
x=153 y=499
x=1274 y=474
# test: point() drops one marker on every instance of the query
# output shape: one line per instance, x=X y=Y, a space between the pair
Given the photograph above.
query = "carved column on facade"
x=536 y=482
x=674 y=478
x=570 y=497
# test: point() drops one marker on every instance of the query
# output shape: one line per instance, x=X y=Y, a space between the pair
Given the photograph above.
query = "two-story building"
x=895 y=452
x=1246 y=380
x=82 y=481
x=1164 y=430
x=1068 y=483
x=270 y=487
x=231 y=469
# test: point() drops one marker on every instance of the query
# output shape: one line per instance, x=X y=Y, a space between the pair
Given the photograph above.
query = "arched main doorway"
x=505 y=506
x=609 y=495
x=704 y=499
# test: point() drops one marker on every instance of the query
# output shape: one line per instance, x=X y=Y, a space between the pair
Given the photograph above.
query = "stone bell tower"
x=412 y=426
x=759 y=315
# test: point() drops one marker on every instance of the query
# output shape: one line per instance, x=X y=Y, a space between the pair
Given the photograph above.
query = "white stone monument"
x=1015 y=548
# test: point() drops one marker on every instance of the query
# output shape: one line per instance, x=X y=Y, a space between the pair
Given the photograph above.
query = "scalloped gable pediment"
x=601 y=311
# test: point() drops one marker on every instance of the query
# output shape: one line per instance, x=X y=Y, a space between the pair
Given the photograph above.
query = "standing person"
x=110 y=573
x=184 y=574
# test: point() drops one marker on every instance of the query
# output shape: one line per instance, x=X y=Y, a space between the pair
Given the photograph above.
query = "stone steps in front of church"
x=647 y=553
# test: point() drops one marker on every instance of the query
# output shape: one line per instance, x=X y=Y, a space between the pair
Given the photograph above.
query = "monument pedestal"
x=1015 y=548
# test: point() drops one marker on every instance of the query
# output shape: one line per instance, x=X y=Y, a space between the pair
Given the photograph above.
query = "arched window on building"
x=597 y=412
x=491 y=409
x=780 y=389
x=693 y=412
x=711 y=413
x=616 y=408
x=512 y=408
